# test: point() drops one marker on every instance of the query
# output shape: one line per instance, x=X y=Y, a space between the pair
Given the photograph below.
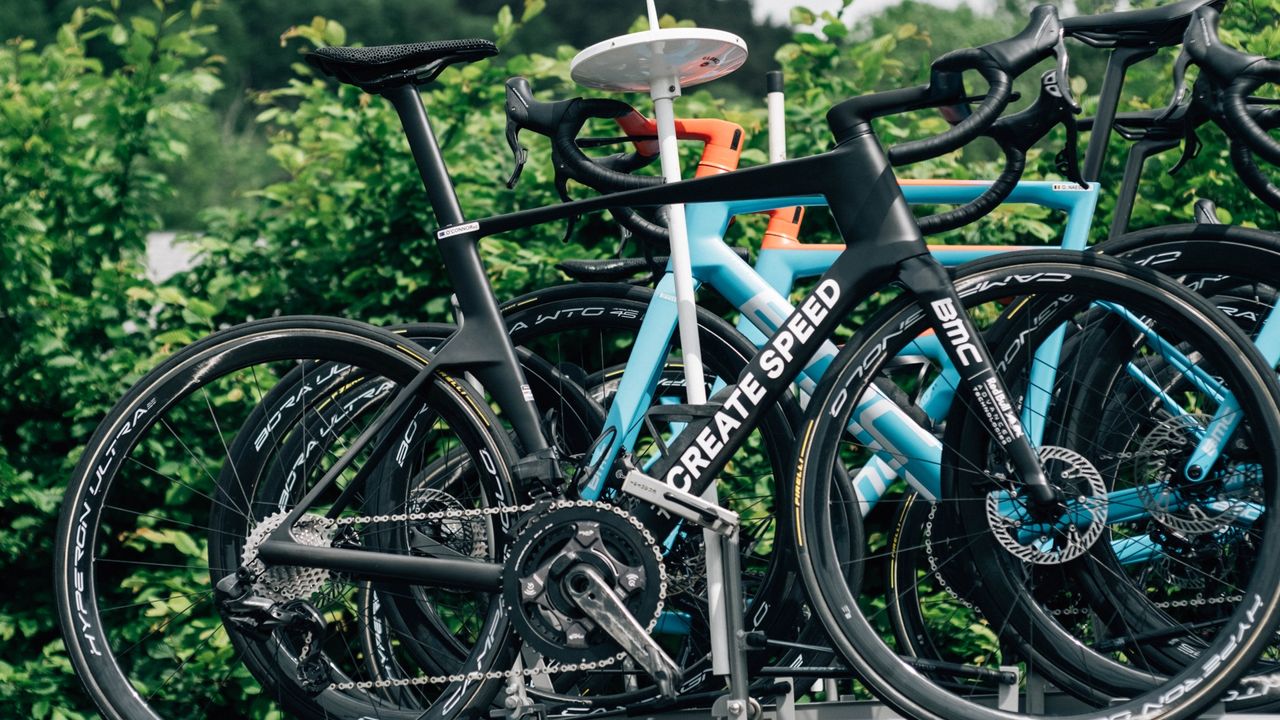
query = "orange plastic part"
x=721 y=152
x=783 y=231
x=722 y=140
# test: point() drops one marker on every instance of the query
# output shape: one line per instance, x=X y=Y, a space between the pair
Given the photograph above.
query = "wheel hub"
x=466 y=534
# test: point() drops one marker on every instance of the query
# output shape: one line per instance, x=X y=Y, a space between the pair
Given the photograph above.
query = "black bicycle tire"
x=858 y=641
x=342 y=340
x=1206 y=252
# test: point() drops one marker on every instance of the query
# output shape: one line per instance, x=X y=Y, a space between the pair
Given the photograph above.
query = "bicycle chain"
x=933 y=561
x=503 y=674
x=1165 y=605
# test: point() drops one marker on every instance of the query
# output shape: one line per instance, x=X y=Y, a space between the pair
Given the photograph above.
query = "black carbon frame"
x=884 y=245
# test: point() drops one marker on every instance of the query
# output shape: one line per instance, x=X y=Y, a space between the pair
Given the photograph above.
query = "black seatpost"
x=1138 y=155
x=435 y=176
x=1108 y=99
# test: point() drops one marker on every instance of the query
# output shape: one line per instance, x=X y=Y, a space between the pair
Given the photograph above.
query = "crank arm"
x=593 y=595
x=682 y=504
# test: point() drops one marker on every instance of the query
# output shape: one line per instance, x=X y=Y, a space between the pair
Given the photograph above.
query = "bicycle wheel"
x=156 y=516
x=583 y=334
x=1206 y=543
x=1231 y=266
x=1007 y=569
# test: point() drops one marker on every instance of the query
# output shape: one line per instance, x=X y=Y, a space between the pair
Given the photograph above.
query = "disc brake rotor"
x=1062 y=539
x=1173 y=500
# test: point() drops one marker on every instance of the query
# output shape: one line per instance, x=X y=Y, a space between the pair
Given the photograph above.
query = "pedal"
x=682 y=504
x=594 y=597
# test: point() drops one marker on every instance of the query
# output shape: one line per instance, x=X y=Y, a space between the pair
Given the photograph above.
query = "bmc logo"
x=956 y=331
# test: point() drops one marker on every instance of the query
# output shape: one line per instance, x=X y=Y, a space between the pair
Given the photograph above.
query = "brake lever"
x=520 y=152
x=1063 y=77
x=562 y=188
x=1203 y=105
x=1190 y=149
x=1067 y=161
x=1179 y=86
x=1058 y=85
x=517 y=100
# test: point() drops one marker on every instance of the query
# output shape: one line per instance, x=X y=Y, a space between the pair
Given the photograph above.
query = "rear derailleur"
x=299 y=622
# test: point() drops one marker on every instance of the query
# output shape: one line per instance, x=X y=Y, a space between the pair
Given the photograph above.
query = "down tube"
x=635 y=389
x=904 y=447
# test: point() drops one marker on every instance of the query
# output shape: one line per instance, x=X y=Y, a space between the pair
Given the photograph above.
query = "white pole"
x=663 y=91
x=775 y=101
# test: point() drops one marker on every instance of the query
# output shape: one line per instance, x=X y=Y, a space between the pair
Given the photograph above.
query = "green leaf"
x=334 y=33
x=504 y=26
x=143 y=26
x=118 y=35
x=171 y=295
x=532 y=8
x=202 y=308
x=802 y=16
x=206 y=82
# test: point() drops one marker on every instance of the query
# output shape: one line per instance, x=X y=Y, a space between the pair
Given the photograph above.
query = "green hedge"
x=91 y=130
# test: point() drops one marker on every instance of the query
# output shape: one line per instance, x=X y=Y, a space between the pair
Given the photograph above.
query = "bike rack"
x=662 y=61
x=1036 y=697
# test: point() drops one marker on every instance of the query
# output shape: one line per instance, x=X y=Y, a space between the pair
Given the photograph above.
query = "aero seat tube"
x=481 y=343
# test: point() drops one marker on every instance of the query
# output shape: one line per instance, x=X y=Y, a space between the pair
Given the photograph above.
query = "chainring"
x=566 y=535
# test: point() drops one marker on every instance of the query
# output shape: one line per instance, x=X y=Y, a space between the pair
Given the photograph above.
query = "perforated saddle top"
x=373 y=68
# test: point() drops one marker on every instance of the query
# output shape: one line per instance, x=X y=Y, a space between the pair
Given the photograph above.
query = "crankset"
x=585 y=581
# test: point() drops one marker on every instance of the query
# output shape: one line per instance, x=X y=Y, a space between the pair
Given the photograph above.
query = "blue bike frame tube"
x=636 y=388
x=1227 y=417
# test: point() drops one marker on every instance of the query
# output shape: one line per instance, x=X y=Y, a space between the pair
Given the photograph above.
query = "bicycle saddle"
x=381 y=66
x=1161 y=26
